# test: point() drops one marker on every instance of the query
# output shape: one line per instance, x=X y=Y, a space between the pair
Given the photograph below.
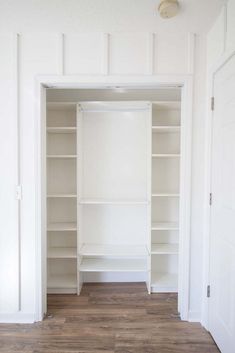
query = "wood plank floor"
x=108 y=318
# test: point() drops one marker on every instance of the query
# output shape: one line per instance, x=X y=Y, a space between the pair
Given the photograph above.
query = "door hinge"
x=208 y=291
x=18 y=192
x=212 y=103
x=210 y=199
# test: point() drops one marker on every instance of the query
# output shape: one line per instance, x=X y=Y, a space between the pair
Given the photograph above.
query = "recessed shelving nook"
x=166 y=139
x=61 y=152
x=113 y=196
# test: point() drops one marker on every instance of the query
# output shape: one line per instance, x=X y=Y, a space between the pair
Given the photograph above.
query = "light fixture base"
x=168 y=8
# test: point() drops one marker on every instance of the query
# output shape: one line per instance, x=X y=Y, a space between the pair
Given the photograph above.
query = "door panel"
x=222 y=268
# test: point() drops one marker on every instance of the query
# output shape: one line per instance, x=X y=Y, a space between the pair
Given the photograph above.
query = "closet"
x=113 y=196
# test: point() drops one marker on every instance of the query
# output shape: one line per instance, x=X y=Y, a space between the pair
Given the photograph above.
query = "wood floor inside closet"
x=110 y=318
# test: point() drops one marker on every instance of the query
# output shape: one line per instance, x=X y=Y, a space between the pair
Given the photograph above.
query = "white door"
x=222 y=257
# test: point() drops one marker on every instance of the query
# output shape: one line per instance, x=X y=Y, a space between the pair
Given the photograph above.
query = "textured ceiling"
x=104 y=15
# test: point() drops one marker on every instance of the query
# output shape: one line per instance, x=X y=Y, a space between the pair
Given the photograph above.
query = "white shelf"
x=61 y=227
x=164 y=249
x=62 y=253
x=113 y=250
x=165 y=226
x=67 y=106
x=164 y=282
x=165 y=194
x=63 y=156
x=113 y=265
x=62 y=281
x=112 y=202
x=166 y=155
x=61 y=130
x=163 y=129
x=166 y=105
x=62 y=195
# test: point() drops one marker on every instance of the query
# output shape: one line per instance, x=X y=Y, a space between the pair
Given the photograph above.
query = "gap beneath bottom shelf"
x=62 y=284
x=164 y=282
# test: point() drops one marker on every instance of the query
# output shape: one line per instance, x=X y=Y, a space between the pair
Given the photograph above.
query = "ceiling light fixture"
x=168 y=8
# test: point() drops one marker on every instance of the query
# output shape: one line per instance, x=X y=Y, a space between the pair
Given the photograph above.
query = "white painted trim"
x=208 y=163
x=18 y=154
x=225 y=10
x=149 y=197
x=97 y=81
x=206 y=241
x=150 y=53
x=194 y=316
x=155 y=53
x=17 y=318
x=191 y=52
x=40 y=172
x=79 y=115
x=61 y=56
x=185 y=198
x=153 y=81
x=106 y=54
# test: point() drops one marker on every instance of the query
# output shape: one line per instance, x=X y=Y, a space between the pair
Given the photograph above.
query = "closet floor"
x=108 y=318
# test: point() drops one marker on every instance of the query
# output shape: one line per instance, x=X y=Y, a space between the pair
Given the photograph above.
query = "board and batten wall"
x=25 y=56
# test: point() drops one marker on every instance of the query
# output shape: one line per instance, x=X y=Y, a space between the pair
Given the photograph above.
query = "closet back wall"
x=25 y=56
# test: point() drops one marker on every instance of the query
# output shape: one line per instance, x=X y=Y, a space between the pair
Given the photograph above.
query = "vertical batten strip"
x=18 y=152
x=191 y=53
x=61 y=54
x=225 y=14
x=150 y=54
x=105 y=61
x=155 y=52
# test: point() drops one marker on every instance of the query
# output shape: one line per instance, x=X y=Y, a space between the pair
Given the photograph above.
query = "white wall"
x=221 y=37
x=136 y=44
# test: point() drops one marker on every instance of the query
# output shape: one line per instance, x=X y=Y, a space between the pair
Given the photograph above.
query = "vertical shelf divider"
x=79 y=116
x=165 y=142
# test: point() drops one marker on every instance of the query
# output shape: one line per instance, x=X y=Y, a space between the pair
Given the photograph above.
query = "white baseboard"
x=194 y=316
x=17 y=318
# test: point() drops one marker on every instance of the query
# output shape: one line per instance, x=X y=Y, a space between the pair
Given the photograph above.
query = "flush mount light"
x=168 y=8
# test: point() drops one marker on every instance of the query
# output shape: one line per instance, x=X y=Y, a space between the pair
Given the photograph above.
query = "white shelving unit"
x=113 y=265
x=164 y=129
x=112 y=202
x=62 y=283
x=165 y=226
x=61 y=253
x=115 y=190
x=113 y=250
x=164 y=282
x=115 y=168
x=164 y=249
x=165 y=196
x=166 y=155
x=62 y=227
x=61 y=156
x=61 y=130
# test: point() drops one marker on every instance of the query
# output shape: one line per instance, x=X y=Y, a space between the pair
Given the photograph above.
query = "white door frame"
x=82 y=81
x=208 y=175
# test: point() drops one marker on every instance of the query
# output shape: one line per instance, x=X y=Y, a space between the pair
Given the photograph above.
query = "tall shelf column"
x=61 y=188
x=165 y=196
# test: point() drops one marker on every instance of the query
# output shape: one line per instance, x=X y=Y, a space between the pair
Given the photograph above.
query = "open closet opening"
x=113 y=187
